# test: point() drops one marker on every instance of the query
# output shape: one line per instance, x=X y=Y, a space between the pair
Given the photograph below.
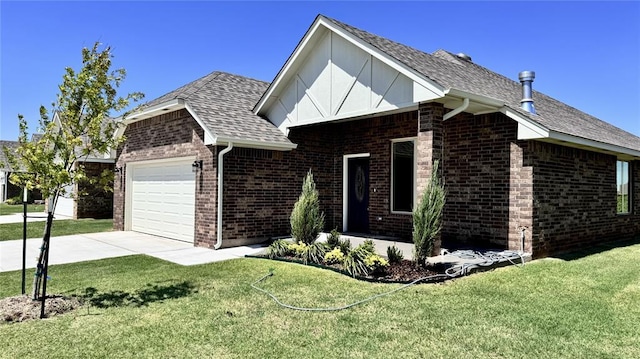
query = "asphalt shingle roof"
x=224 y=103
x=450 y=72
x=11 y=146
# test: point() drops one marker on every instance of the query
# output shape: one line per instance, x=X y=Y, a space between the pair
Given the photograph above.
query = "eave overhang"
x=528 y=129
x=210 y=138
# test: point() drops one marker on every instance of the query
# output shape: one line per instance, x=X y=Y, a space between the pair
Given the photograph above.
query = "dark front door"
x=358 y=195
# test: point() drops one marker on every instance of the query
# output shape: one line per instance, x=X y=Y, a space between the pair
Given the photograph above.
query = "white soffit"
x=333 y=75
x=528 y=130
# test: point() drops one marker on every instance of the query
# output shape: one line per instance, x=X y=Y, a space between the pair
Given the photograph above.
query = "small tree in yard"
x=83 y=106
x=306 y=219
x=427 y=217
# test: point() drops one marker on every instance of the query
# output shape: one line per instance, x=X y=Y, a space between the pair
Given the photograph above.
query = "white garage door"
x=64 y=207
x=163 y=199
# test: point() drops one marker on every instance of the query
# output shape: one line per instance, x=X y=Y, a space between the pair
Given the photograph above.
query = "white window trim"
x=345 y=185
x=415 y=173
x=629 y=190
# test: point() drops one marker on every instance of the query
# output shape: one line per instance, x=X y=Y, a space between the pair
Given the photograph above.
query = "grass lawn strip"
x=10 y=209
x=11 y=231
x=145 y=307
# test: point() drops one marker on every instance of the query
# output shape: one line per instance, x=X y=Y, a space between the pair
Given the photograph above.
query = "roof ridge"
x=244 y=77
x=185 y=91
x=359 y=32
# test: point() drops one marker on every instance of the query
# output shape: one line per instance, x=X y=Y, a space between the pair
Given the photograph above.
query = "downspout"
x=455 y=111
x=220 y=188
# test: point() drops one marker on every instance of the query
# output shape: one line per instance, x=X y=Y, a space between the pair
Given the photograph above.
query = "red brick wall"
x=374 y=136
x=520 y=198
x=477 y=178
x=175 y=134
x=260 y=189
x=575 y=199
x=93 y=201
x=262 y=186
x=429 y=150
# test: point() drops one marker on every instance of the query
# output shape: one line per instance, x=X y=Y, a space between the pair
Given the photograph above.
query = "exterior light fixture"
x=196 y=165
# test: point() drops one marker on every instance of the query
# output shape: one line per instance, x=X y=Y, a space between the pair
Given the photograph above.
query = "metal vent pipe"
x=526 y=78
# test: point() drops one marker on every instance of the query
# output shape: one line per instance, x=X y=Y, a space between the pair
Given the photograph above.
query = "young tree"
x=306 y=219
x=427 y=217
x=82 y=127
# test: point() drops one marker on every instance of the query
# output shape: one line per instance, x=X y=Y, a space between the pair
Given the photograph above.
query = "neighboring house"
x=7 y=189
x=220 y=161
x=82 y=200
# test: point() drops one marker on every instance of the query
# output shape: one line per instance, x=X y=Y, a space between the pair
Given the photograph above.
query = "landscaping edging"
x=437 y=278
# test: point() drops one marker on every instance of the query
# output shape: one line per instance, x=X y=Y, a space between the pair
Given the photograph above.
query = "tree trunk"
x=41 y=267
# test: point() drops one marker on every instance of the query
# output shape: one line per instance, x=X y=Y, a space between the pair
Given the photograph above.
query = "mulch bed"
x=403 y=272
x=407 y=271
x=21 y=308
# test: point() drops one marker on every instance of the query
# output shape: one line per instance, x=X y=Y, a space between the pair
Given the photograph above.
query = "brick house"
x=7 y=189
x=220 y=161
x=82 y=199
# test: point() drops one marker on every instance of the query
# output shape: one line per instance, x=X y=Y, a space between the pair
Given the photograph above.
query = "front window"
x=403 y=175
x=623 y=186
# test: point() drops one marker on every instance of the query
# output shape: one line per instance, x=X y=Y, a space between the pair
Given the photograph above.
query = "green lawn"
x=17 y=208
x=145 y=307
x=11 y=231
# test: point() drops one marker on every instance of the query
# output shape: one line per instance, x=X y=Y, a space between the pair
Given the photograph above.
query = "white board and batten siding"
x=337 y=80
x=161 y=198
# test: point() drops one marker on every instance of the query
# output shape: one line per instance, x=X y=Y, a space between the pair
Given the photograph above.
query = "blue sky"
x=586 y=54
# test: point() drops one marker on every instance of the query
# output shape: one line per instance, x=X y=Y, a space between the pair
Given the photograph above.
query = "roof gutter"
x=457 y=110
x=220 y=193
x=580 y=142
x=263 y=145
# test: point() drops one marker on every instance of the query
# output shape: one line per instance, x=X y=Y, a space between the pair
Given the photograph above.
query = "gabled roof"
x=466 y=86
x=454 y=73
x=11 y=146
x=221 y=103
x=94 y=156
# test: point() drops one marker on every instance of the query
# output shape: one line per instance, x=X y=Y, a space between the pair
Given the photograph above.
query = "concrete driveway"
x=92 y=246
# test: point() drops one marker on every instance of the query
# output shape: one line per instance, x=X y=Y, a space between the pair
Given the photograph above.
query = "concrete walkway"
x=92 y=246
x=31 y=217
